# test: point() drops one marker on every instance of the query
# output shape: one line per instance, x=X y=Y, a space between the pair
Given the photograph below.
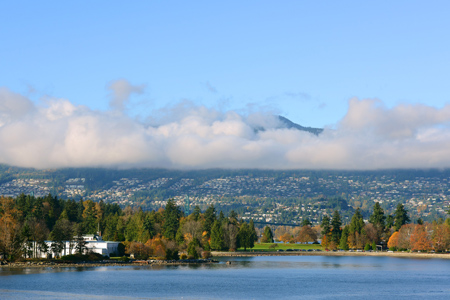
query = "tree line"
x=26 y=222
x=392 y=231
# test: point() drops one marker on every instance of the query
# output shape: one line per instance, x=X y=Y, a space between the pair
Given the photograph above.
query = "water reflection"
x=261 y=262
x=244 y=278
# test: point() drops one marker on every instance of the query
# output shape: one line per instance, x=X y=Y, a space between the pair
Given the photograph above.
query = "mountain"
x=289 y=124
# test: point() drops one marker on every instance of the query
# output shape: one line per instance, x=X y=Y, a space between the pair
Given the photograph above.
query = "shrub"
x=273 y=246
x=183 y=256
x=206 y=254
x=95 y=256
x=172 y=254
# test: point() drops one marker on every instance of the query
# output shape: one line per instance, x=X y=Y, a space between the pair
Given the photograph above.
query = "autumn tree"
x=441 y=237
x=393 y=241
x=10 y=245
x=138 y=250
x=307 y=235
x=404 y=236
x=286 y=237
x=420 y=240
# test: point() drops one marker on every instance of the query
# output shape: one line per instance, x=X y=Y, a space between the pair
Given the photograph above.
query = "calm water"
x=310 y=277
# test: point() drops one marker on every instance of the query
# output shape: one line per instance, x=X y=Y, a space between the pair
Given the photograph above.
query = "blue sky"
x=302 y=59
x=184 y=84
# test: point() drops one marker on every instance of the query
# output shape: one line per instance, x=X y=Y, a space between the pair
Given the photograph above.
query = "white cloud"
x=13 y=106
x=121 y=91
x=370 y=136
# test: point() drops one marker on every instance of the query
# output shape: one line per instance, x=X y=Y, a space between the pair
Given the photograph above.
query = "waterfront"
x=313 y=277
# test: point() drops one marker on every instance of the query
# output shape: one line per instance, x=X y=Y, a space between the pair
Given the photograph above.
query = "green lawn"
x=281 y=246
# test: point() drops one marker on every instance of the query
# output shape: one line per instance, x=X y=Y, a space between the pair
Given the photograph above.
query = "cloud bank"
x=370 y=136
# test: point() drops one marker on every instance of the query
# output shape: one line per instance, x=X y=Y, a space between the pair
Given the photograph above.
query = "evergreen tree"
x=400 y=217
x=196 y=213
x=26 y=240
x=71 y=210
x=245 y=236
x=62 y=231
x=254 y=235
x=343 y=244
x=221 y=217
x=80 y=210
x=171 y=220
x=233 y=216
x=217 y=242
x=210 y=217
x=80 y=243
x=90 y=223
x=378 y=218
x=336 y=228
x=389 y=221
x=267 y=235
x=326 y=227
x=356 y=228
x=306 y=222
x=192 y=248
x=357 y=222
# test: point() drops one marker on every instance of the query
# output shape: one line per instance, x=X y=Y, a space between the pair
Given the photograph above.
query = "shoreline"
x=54 y=265
x=333 y=253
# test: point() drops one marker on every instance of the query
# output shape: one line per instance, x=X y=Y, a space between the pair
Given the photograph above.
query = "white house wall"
x=102 y=248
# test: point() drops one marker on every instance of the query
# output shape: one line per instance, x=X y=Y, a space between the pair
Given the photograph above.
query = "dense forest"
x=163 y=233
x=168 y=232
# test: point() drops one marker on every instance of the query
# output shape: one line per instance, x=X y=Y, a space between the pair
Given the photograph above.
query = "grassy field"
x=281 y=246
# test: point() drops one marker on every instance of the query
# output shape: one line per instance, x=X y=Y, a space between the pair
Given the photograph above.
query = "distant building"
x=94 y=244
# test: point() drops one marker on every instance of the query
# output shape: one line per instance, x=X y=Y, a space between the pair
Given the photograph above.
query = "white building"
x=94 y=244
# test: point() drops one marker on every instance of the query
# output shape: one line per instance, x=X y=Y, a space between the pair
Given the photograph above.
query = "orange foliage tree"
x=393 y=240
x=420 y=239
x=306 y=234
x=9 y=227
x=156 y=246
x=285 y=238
x=325 y=243
x=440 y=237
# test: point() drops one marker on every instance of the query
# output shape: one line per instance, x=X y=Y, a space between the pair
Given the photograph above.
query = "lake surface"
x=266 y=277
